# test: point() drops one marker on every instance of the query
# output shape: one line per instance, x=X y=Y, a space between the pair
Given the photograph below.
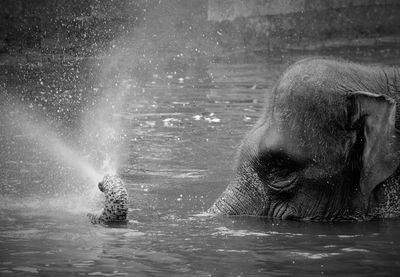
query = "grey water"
x=179 y=136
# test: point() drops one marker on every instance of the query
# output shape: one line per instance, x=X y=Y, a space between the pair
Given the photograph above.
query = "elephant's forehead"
x=307 y=144
x=309 y=129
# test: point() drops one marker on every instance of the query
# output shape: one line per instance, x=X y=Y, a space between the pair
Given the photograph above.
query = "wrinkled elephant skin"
x=326 y=148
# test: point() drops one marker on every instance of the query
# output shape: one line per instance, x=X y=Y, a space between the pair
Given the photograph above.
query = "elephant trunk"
x=245 y=195
x=386 y=200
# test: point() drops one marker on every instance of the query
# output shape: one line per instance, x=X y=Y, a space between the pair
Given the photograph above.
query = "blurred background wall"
x=304 y=23
x=65 y=25
x=74 y=27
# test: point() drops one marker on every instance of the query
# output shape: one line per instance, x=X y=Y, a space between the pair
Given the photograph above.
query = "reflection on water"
x=181 y=143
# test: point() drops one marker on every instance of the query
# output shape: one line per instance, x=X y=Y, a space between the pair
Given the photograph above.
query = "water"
x=179 y=138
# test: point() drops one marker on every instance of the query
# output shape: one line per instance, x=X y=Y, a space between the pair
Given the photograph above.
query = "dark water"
x=181 y=139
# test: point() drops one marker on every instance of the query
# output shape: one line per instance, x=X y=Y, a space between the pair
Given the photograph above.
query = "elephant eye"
x=277 y=164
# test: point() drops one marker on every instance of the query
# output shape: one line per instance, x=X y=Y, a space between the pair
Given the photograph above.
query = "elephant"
x=326 y=148
x=115 y=209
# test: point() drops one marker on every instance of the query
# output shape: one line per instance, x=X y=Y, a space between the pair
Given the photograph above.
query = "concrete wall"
x=219 y=10
x=277 y=24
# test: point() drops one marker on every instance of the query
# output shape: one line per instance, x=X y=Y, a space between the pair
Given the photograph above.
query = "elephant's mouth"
x=281 y=210
x=284 y=185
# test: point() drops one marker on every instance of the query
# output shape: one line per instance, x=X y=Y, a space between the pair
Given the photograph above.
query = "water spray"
x=49 y=141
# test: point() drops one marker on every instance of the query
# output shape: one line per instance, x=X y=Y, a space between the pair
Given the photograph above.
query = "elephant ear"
x=380 y=157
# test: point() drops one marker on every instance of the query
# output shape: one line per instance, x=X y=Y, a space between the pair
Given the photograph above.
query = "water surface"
x=180 y=139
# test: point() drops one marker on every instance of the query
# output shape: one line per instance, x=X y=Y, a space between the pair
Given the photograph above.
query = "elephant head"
x=315 y=154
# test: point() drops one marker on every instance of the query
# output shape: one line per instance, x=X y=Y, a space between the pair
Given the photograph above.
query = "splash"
x=36 y=139
x=53 y=145
x=69 y=166
x=103 y=134
x=61 y=168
